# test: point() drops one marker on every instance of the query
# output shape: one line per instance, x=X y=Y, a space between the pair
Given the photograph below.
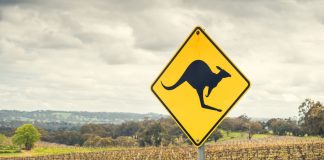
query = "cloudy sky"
x=103 y=55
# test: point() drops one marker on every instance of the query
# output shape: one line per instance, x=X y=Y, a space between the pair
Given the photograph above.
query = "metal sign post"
x=201 y=152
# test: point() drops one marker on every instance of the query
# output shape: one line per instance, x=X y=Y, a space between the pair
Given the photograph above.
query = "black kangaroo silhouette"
x=199 y=76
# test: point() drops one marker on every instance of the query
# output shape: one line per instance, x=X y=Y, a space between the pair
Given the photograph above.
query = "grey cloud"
x=11 y=2
x=97 y=55
x=117 y=54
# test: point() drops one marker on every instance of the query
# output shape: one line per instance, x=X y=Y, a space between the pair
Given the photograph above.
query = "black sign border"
x=218 y=122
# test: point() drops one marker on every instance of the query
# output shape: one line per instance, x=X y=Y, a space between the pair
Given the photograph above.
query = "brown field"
x=265 y=148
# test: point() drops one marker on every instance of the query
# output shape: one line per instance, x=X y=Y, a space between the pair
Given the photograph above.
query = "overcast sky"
x=103 y=55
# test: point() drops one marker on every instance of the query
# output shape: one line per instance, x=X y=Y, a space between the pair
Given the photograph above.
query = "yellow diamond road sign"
x=199 y=86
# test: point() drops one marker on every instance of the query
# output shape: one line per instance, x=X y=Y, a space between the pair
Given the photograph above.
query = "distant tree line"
x=144 y=133
x=164 y=131
x=72 y=117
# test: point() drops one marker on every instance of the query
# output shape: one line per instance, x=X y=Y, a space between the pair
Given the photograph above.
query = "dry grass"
x=263 y=148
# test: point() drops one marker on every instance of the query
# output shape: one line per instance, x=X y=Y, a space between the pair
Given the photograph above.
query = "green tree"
x=151 y=134
x=96 y=129
x=125 y=141
x=311 y=117
x=216 y=135
x=240 y=123
x=26 y=135
x=127 y=128
x=284 y=127
x=254 y=128
x=227 y=124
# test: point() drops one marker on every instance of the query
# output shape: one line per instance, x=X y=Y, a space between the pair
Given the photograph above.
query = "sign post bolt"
x=201 y=152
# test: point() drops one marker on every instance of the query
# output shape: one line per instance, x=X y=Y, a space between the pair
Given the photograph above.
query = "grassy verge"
x=41 y=151
x=257 y=136
x=9 y=149
x=240 y=135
